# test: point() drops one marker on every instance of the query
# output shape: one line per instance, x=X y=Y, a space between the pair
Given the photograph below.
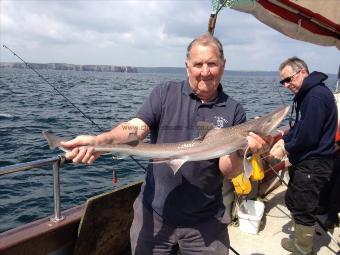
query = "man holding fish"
x=183 y=211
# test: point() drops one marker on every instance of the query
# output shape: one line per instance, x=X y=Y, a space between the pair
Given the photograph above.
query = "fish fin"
x=53 y=140
x=247 y=166
x=203 y=128
x=159 y=161
x=118 y=156
x=175 y=164
x=132 y=140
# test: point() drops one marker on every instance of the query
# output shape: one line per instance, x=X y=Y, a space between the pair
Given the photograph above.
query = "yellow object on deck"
x=258 y=170
x=241 y=184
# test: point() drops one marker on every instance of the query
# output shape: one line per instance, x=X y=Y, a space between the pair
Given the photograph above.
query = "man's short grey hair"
x=295 y=63
x=205 y=40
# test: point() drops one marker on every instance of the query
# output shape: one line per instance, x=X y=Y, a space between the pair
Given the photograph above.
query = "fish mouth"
x=270 y=123
x=279 y=116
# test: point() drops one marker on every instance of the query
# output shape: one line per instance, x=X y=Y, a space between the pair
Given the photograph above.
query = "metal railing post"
x=57 y=162
x=56 y=192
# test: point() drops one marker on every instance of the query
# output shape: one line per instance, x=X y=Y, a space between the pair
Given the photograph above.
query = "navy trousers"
x=307 y=180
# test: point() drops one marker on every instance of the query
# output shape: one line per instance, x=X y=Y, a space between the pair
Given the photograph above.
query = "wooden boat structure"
x=100 y=226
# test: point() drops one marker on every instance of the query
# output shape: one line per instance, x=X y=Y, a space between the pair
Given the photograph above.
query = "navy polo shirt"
x=194 y=194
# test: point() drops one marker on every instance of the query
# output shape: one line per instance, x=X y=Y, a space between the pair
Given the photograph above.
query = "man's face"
x=292 y=80
x=205 y=69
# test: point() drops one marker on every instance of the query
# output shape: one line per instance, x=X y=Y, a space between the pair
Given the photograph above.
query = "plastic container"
x=250 y=214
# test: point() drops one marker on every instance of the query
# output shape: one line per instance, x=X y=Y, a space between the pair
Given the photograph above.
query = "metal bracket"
x=56 y=190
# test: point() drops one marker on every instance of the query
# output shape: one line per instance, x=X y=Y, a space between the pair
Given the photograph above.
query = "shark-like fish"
x=211 y=143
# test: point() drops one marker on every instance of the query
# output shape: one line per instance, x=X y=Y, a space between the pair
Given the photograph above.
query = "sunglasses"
x=289 y=78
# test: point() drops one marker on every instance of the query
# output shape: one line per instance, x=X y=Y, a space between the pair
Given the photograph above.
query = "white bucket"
x=250 y=213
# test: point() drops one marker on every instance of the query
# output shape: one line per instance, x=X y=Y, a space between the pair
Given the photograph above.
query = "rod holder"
x=56 y=192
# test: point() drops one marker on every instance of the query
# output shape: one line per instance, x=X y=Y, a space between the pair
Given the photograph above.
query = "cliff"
x=62 y=66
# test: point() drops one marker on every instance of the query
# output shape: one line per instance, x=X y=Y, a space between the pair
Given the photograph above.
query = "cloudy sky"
x=143 y=33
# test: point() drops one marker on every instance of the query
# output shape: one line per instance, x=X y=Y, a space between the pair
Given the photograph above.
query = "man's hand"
x=258 y=144
x=231 y=165
x=81 y=149
x=278 y=151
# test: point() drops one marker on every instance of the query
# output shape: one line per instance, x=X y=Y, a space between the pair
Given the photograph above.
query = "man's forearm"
x=231 y=165
x=122 y=132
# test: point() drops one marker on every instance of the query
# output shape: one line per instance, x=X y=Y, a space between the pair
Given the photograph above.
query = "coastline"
x=64 y=66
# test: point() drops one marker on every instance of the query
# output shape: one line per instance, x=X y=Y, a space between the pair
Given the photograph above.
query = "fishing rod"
x=58 y=91
x=70 y=102
x=234 y=251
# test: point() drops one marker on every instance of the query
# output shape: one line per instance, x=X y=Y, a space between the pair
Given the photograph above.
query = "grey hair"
x=205 y=40
x=295 y=63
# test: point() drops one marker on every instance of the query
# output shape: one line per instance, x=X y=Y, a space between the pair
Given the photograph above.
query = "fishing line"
x=265 y=157
x=44 y=79
x=68 y=100
x=283 y=103
x=280 y=95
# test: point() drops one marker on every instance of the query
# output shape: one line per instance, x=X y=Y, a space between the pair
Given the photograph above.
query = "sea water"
x=28 y=105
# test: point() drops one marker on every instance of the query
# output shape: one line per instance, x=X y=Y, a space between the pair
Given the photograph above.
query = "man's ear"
x=304 y=72
x=187 y=68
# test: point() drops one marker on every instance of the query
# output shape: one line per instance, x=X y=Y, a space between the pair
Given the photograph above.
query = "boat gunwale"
x=33 y=230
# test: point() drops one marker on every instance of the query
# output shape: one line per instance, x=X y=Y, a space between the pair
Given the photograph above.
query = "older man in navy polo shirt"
x=182 y=212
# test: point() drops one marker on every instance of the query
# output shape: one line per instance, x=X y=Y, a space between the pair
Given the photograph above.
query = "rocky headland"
x=63 y=66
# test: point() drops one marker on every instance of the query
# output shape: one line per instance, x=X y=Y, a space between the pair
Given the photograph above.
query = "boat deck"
x=275 y=225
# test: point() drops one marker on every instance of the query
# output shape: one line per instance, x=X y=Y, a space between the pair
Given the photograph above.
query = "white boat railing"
x=56 y=162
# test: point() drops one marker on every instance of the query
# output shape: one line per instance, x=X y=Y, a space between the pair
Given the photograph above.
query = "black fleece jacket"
x=313 y=133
